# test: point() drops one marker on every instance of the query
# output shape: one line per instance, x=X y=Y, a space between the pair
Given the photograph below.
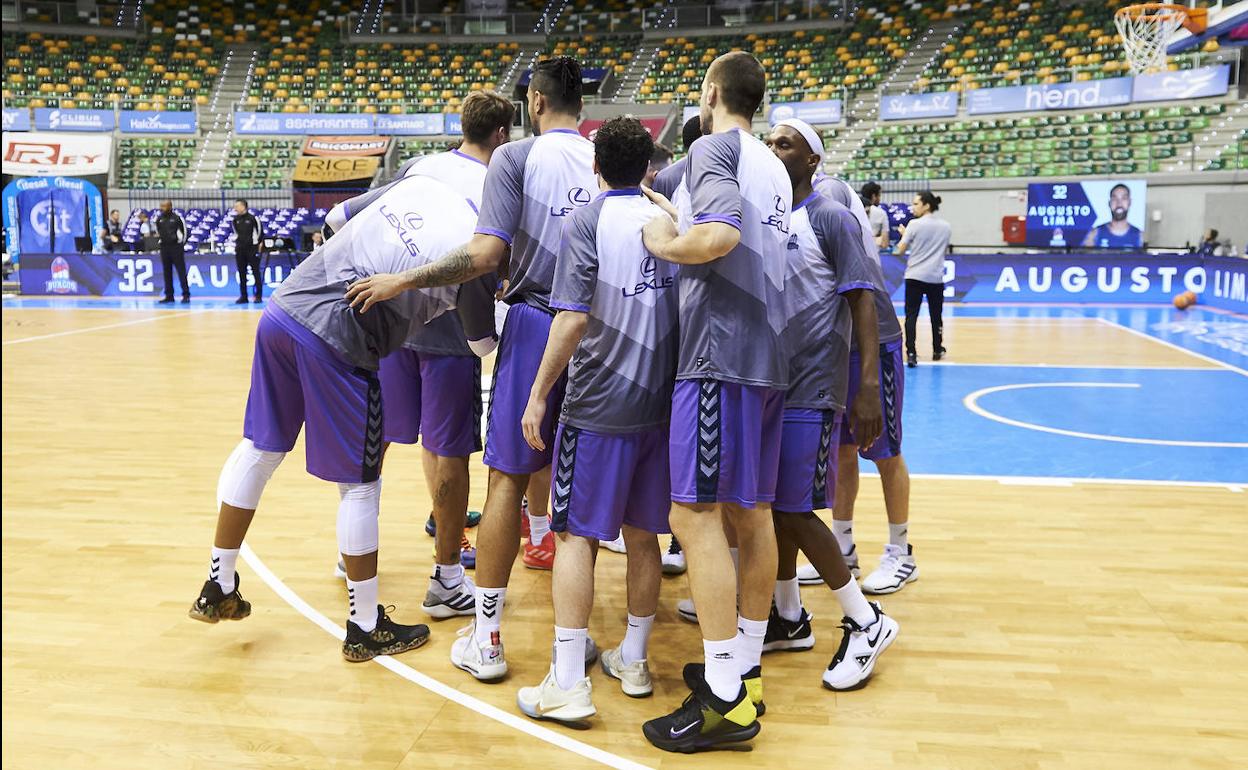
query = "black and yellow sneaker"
x=704 y=721
x=388 y=638
x=753 y=681
x=215 y=605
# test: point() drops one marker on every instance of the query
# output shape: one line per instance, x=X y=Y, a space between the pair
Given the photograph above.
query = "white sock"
x=722 y=674
x=854 y=604
x=447 y=578
x=636 y=638
x=897 y=535
x=788 y=597
x=569 y=656
x=362 y=596
x=538 y=527
x=222 y=567
x=489 y=613
x=843 y=531
x=750 y=635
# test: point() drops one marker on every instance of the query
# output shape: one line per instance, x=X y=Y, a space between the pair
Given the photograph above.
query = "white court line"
x=1168 y=344
x=1125 y=367
x=508 y=719
x=162 y=317
x=1048 y=481
x=971 y=402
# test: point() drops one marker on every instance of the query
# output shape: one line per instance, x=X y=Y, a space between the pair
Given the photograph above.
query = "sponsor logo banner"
x=29 y=154
x=346 y=146
x=16 y=119
x=50 y=214
x=429 y=124
x=146 y=122
x=1056 y=96
x=1184 y=84
x=910 y=106
x=321 y=170
x=589 y=128
x=455 y=124
x=819 y=112
x=56 y=119
x=302 y=123
x=136 y=275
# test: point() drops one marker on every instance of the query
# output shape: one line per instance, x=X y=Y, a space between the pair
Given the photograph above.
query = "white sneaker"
x=896 y=568
x=684 y=608
x=674 y=558
x=484 y=661
x=634 y=678
x=616 y=545
x=461 y=600
x=860 y=648
x=807 y=575
x=340 y=570
x=591 y=651
x=547 y=701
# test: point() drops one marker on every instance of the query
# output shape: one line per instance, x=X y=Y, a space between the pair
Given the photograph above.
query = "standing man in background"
x=171 y=231
x=926 y=238
x=876 y=215
x=247 y=237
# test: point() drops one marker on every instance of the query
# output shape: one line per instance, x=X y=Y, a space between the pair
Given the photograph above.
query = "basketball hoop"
x=1146 y=30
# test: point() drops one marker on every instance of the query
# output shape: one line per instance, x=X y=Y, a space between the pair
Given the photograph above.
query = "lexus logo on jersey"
x=578 y=196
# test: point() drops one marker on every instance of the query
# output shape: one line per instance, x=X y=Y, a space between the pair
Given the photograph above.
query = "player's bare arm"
x=705 y=242
x=565 y=334
x=865 y=414
x=481 y=255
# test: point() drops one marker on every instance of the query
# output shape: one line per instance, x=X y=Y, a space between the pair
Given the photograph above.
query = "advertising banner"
x=430 y=124
x=1227 y=286
x=1094 y=215
x=333 y=170
x=16 y=119
x=1184 y=84
x=911 y=106
x=454 y=124
x=51 y=214
x=589 y=128
x=816 y=113
x=148 y=122
x=56 y=119
x=135 y=275
x=346 y=146
x=31 y=154
x=302 y=123
x=1109 y=92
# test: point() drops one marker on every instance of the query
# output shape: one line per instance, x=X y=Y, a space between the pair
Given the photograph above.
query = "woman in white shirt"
x=924 y=243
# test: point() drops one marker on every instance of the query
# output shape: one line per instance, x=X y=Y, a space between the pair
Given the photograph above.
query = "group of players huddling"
x=693 y=356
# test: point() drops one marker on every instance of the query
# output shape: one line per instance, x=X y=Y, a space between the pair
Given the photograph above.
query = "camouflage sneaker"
x=388 y=638
x=214 y=604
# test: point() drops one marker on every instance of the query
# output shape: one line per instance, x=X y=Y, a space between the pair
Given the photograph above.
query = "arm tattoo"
x=454 y=268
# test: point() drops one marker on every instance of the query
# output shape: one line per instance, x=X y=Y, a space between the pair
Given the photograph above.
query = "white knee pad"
x=244 y=475
x=358 y=510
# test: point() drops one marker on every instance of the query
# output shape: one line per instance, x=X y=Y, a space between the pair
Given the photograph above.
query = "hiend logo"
x=61 y=283
x=577 y=196
x=1066 y=96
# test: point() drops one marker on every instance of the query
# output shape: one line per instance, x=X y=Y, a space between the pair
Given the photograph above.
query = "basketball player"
x=831 y=280
x=617 y=325
x=432 y=385
x=728 y=400
x=1116 y=232
x=531 y=188
x=316 y=363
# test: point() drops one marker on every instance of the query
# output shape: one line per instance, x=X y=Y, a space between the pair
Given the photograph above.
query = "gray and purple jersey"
x=620 y=378
x=732 y=310
x=826 y=259
x=530 y=189
x=455 y=169
x=886 y=315
x=410 y=223
x=671 y=184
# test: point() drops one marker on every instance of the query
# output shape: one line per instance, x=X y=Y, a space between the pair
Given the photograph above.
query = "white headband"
x=808 y=133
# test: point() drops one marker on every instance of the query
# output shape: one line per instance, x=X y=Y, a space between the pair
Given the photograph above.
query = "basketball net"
x=1146 y=30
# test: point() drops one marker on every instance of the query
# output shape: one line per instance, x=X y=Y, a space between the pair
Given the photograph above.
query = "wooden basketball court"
x=1057 y=623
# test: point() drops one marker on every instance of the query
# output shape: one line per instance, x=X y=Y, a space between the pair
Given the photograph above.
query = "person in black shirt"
x=112 y=232
x=172 y=233
x=247 y=237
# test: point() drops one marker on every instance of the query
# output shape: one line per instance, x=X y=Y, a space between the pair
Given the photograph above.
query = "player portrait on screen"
x=1116 y=232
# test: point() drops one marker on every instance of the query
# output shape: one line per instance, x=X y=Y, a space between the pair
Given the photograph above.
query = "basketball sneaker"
x=214 y=604
x=540 y=555
x=704 y=721
x=860 y=648
x=788 y=635
x=483 y=661
x=634 y=678
x=674 y=559
x=616 y=545
x=431 y=526
x=388 y=638
x=807 y=575
x=896 y=568
x=443 y=602
x=547 y=701
x=753 y=681
x=686 y=611
x=467 y=553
